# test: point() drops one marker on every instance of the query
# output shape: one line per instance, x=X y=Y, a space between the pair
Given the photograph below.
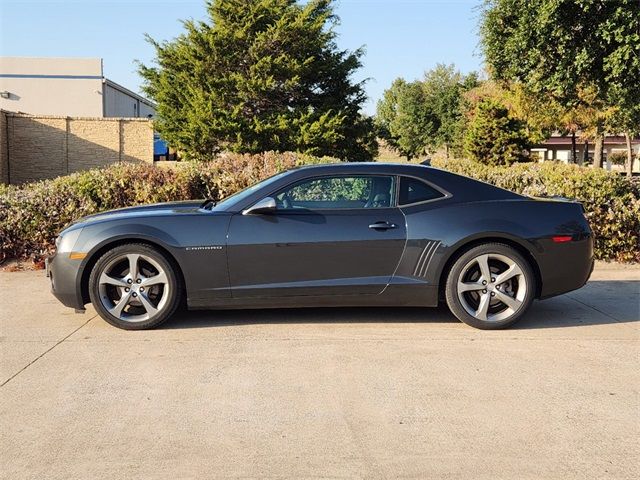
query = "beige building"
x=558 y=148
x=74 y=87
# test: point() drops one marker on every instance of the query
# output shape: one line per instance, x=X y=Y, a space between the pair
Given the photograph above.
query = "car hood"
x=156 y=209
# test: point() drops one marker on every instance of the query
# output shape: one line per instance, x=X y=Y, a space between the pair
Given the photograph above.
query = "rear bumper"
x=565 y=266
x=64 y=276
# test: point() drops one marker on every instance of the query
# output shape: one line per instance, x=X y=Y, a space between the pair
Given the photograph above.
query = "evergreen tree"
x=493 y=136
x=260 y=75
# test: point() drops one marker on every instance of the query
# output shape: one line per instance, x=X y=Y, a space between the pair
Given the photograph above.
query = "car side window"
x=413 y=190
x=339 y=192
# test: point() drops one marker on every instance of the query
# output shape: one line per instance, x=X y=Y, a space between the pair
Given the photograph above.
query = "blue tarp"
x=160 y=147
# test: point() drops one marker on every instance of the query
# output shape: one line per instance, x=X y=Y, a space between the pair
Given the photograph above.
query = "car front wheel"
x=490 y=286
x=134 y=287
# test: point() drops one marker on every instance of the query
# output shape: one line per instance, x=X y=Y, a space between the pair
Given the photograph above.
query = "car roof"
x=371 y=167
x=410 y=169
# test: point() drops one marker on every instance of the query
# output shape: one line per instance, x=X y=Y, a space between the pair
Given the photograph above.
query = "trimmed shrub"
x=32 y=215
x=611 y=202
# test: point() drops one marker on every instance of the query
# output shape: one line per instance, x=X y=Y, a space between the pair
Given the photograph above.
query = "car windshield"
x=229 y=202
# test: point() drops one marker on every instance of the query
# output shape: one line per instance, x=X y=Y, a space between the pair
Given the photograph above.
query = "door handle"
x=382 y=226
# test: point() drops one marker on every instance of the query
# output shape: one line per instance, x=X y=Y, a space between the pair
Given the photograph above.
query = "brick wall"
x=4 y=177
x=41 y=147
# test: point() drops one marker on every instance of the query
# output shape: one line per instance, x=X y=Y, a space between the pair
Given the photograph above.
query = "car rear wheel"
x=134 y=287
x=490 y=286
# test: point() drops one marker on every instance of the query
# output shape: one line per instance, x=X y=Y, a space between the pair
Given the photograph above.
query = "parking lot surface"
x=323 y=393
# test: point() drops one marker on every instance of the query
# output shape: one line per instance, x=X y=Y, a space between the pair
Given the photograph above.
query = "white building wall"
x=146 y=110
x=118 y=104
x=52 y=86
x=121 y=102
x=563 y=155
x=73 y=87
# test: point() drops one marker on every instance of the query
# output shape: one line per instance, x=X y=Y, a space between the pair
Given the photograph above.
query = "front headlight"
x=67 y=239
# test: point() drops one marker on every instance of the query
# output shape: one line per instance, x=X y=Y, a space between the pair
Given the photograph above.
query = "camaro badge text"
x=206 y=247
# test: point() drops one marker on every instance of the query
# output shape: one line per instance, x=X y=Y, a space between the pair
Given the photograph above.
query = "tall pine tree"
x=260 y=75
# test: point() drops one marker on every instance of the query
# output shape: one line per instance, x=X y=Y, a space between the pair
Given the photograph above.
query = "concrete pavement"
x=323 y=393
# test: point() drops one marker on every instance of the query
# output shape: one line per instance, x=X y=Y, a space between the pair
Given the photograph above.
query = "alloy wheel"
x=133 y=287
x=491 y=287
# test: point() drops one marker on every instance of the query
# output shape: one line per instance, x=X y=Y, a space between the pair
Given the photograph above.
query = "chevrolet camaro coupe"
x=350 y=234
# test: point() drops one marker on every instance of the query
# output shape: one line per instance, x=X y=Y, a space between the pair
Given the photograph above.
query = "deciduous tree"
x=444 y=87
x=405 y=119
x=425 y=115
x=564 y=47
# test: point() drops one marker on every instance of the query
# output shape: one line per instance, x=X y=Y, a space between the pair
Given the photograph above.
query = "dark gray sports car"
x=351 y=234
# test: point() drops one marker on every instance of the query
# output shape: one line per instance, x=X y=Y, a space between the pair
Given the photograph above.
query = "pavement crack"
x=44 y=353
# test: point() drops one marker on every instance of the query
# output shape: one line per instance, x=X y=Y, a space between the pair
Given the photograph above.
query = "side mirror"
x=266 y=205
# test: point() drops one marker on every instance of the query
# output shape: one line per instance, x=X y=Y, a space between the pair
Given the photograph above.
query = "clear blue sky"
x=401 y=37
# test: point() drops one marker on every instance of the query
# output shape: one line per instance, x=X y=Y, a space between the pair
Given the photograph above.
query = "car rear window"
x=413 y=190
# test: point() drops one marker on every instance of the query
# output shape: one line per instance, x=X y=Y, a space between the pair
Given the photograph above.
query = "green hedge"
x=611 y=201
x=32 y=215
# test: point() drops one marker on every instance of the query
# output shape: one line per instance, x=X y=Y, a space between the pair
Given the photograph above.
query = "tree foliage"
x=561 y=46
x=493 y=136
x=260 y=75
x=444 y=87
x=583 y=54
x=405 y=119
x=415 y=117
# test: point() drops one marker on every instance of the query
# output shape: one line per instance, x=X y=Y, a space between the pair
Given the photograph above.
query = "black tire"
x=148 y=260
x=466 y=272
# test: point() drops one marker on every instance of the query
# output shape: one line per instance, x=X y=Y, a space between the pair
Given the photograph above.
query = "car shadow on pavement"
x=328 y=315
x=598 y=303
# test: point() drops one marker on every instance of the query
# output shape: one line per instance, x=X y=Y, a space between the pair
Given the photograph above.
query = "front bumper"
x=65 y=277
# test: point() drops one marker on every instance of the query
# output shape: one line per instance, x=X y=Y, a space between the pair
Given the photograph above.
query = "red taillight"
x=562 y=238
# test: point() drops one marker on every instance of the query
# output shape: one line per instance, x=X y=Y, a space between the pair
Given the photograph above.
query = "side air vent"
x=425 y=258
